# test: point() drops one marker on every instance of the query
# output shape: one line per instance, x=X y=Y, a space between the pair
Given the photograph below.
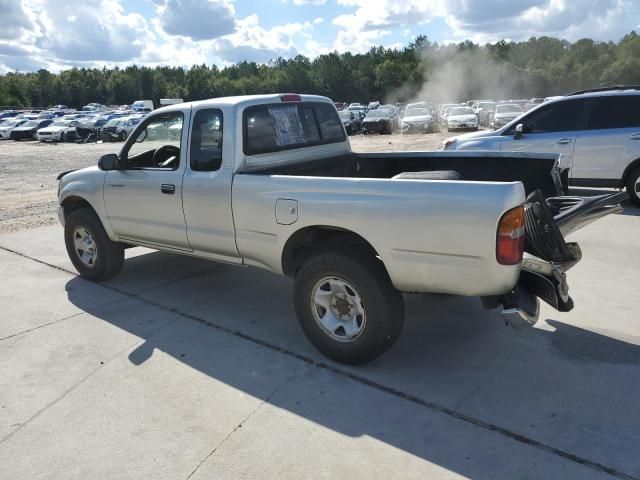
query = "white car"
x=596 y=133
x=7 y=126
x=462 y=118
x=56 y=131
x=417 y=120
x=505 y=113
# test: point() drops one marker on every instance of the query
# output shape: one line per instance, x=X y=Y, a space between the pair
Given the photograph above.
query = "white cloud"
x=197 y=19
x=92 y=30
x=318 y=20
x=309 y=2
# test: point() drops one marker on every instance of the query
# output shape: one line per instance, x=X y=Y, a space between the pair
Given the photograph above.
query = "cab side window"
x=206 y=141
x=561 y=116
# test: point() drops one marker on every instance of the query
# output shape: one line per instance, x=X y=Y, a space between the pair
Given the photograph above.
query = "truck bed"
x=533 y=170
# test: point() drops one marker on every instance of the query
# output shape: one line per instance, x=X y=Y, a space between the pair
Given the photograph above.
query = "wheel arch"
x=301 y=244
x=628 y=170
x=76 y=202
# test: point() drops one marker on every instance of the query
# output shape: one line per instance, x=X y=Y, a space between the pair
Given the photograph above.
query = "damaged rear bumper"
x=548 y=256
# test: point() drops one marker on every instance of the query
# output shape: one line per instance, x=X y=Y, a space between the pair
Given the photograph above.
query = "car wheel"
x=92 y=252
x=63 y=137
x=347 y=306
x=633 y=186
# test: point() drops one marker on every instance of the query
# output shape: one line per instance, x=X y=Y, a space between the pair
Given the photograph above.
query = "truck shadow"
x=450 y=355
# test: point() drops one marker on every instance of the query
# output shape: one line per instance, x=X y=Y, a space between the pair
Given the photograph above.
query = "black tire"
x=631 y=186
x=382 y=303
x=63 y=137
x=110 y=254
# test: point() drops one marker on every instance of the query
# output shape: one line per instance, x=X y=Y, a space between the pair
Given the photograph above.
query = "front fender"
x=83 y=186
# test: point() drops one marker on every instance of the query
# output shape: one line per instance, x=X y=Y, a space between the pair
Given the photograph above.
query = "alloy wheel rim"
x=85 y=247
x=338 y=309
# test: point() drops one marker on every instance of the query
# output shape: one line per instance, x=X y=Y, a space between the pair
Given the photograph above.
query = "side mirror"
x=518 y=133
x=108 y=162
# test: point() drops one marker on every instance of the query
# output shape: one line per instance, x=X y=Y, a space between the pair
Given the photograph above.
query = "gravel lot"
x=28 y=171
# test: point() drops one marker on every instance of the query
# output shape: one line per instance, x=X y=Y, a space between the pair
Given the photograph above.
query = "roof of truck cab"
x=244 y=101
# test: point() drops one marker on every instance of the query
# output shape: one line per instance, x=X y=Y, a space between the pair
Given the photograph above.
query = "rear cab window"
x=285 y=126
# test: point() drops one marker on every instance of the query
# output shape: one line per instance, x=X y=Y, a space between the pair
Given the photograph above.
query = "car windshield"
x=10 y=124
x=30 y=123
x=377 y=114
x=112 y=123
x=60 y=124
x=487 y=106
x=510 y=108
x=461 y=111
x=417 y=112
x=345 y=115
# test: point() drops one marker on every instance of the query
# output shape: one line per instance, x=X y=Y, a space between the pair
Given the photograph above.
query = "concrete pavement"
x=181 y=368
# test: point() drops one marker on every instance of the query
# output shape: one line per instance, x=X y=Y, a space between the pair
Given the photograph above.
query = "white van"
x=143 y=105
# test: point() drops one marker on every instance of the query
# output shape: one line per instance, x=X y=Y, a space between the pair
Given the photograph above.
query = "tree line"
x=540 y=66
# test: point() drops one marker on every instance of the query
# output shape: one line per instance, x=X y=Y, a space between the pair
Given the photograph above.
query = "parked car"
x=8 y=125
x=27 y=131
x=286 y=193
x=597 y=133
x=462 y=118
x=57 y=131
x=120 y=128
x=379 y=120
x=417 y=120
x=532 y=103
x=373 y=105
x=505 y=113
x=351 y=121
x=484 y=111
x=142 y=106
x=8 y=114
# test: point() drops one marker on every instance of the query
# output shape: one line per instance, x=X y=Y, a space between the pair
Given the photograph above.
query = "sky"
x=61 y=34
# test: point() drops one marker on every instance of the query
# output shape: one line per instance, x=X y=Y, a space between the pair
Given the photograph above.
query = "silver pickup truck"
x=270 y=181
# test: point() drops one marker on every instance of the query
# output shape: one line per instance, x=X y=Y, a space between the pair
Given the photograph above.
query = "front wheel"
x=633 y=186
x=347 y=306
x=92 y=252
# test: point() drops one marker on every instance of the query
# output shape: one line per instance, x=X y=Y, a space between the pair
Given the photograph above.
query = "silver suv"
x=597 y=131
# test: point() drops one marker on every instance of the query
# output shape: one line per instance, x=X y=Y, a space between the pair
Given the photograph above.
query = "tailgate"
x=547 y=255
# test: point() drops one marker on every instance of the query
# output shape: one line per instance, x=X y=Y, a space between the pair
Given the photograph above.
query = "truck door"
x=206 y=192
x=143 y=199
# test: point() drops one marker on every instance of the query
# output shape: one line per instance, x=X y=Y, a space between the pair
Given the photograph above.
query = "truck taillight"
x=511 y=237
x=290 y=97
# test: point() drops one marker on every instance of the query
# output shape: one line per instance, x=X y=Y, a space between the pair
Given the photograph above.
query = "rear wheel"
x=633 y=186
x=92 y=252
x=347 y=306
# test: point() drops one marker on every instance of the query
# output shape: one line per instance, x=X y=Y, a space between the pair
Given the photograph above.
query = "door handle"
x=168 y=188
x=564 y=141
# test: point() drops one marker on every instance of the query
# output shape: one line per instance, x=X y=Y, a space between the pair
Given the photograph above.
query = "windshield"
x=60 y=124
x=10 y=124
x=30 y=123
x=113 y=123
x=487 y=106
x=344 y=115
x=461 y=111
x=415 y=112
x=510 y=108
x=377 y=114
